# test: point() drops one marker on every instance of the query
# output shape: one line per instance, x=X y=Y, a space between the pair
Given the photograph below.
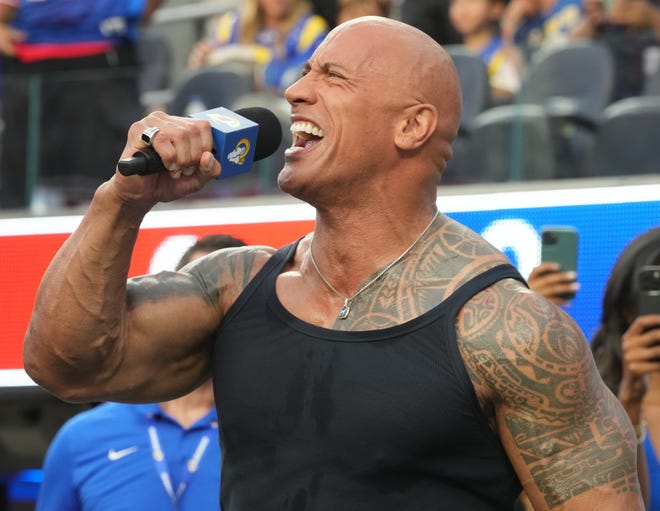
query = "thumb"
x=209 y=166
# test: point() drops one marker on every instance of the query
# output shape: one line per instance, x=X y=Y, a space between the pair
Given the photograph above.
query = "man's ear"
x=416 y=126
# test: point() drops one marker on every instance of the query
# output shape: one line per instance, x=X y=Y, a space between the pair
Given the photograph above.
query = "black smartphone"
x=559 y=244
x=648 y=299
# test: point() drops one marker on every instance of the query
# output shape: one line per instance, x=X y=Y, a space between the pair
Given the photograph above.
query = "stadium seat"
x=652 y=83
x=572 y=80
x=510 y=143
x=574 y=83
x=156 y=61
x=209 y=88
x=473 y=75
x=626 y=142
x=155 y=54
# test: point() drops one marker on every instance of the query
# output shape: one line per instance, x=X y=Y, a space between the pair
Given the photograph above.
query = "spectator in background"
x=70 y=91
x=349 y=9
x=327 y=9
x=555 y=285
x=628 y=28
x=478 y=22
x=535 y=24
x=140 y=457
x=626 y=349
x=275 y=36
x=432 y=17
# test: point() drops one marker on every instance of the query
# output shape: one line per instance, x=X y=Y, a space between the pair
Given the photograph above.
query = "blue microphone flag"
x=234 y=137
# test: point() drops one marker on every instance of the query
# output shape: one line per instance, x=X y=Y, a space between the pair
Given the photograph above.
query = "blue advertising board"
x=606 y=219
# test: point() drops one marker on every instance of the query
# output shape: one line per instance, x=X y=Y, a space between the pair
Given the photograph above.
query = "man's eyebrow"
x=335 y=65
x=325 y=67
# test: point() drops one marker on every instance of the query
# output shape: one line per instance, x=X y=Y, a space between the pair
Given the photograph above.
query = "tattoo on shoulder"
x=566 y=425
x=441 y=262
x=210 y=278
x=160 y=287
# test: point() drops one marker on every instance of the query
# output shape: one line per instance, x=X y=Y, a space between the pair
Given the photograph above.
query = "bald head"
x=407 y=67
x=414 y=64
x=378 y=83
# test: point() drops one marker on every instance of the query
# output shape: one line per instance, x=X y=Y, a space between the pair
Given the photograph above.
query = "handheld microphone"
x=239 y=138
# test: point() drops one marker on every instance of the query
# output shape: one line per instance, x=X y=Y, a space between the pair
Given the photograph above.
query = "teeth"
x=306 y=127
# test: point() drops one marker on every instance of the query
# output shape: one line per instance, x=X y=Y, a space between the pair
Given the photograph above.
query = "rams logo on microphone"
x=227 y=120
x=239 y=153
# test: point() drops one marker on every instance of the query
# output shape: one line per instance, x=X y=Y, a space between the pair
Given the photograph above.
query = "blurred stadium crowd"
x=552 y=89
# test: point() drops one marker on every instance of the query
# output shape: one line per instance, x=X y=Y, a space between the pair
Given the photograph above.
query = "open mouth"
x=305 y=134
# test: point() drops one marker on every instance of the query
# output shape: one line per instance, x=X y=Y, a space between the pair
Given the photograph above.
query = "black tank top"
x=317 y=419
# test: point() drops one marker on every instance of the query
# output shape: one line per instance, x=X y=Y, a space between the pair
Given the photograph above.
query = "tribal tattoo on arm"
x=172 y=318
x=561 y=426
x=213 y=278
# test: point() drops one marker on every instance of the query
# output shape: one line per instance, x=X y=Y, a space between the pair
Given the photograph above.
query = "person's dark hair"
x=619 y=304
x=209 y=244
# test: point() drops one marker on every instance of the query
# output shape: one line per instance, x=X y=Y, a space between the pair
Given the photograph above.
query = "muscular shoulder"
x=225 y=273
x=534 y=374
x=458 y=254
x=515 y=343
x=213 y=281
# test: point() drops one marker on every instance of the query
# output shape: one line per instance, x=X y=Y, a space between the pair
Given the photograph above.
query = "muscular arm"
x=567 y=436
x=92 y=336
x=96 y=336
x=89 y=340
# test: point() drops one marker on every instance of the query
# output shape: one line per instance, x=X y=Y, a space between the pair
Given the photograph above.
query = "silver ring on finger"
x=149 y=134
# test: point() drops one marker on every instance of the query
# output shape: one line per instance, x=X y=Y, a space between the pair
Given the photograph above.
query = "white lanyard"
x=163 y=472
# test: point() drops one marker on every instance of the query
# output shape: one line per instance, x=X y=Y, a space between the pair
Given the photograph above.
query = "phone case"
x=648 y=300
x=560 y=245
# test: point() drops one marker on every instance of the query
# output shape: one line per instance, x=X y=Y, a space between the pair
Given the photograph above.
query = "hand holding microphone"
x=240 y=138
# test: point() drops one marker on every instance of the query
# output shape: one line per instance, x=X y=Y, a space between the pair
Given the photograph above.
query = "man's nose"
x=300 y=91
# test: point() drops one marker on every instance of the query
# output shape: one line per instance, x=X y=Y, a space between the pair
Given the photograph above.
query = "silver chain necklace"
x=346 y=309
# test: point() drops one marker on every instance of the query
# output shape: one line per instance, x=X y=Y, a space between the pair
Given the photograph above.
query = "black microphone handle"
x=144 y=162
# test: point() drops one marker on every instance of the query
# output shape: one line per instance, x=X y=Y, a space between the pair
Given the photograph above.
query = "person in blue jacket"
x=277 y=37
x=70 y=91
x=135 y=457
x=120 y=457
x=533 y=25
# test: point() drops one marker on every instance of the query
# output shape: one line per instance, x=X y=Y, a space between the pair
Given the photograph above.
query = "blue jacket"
x=61 y=21
x=103 y=460
x=283 y=62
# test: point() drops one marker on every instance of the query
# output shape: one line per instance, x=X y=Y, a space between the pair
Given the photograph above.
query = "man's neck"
x=188 y=409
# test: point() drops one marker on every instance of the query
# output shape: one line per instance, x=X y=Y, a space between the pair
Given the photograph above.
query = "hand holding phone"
x=559 y=245
x=648 y=297
x=547 y=280
x=648 y=303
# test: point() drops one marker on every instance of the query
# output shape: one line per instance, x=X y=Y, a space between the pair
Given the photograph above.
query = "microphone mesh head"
x=269 y=136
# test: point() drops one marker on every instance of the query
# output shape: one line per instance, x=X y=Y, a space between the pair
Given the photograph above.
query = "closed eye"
x=333 y=70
